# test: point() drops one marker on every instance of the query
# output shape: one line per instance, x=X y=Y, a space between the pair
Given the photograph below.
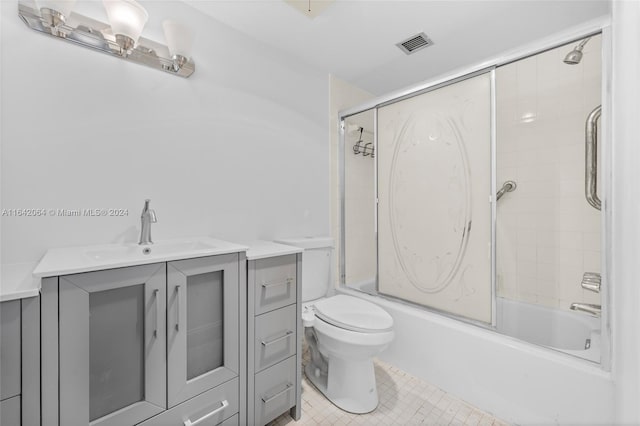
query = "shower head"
x=575 y=56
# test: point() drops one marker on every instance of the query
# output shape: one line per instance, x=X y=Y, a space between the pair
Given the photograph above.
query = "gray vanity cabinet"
x=112 y=339
x=203 y=325
x=274 y=333
x=161 y=344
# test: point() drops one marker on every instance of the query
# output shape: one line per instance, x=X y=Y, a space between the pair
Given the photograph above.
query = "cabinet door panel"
x=112 y=346
x=10 y=349
x=203 y=327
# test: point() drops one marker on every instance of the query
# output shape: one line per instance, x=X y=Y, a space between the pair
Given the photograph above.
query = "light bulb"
x=127 y=19
x=179 y=41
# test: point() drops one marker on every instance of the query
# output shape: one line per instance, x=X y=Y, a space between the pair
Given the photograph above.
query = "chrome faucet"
x=589 y=308
x=147 y=217
x=590 y=281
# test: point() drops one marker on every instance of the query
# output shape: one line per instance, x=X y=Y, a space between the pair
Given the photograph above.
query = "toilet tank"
x=316 y=265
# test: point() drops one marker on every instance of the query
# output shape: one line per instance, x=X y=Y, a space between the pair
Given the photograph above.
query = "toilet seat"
x=353 y=314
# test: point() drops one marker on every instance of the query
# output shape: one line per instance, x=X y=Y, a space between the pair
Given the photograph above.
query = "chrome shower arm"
x=582 y=43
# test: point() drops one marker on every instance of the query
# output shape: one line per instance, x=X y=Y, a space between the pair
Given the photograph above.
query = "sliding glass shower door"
x=434 y=204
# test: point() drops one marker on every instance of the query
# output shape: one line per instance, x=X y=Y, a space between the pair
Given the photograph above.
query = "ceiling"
x=355 y=39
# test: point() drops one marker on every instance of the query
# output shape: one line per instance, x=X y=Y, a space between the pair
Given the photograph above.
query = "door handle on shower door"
x=591 y=158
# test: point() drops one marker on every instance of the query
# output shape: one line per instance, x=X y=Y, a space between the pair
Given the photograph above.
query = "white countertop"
x=17 y=281
x=261 y=249
x=73 y=260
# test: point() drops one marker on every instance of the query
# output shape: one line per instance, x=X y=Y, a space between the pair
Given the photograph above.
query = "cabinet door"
x=9 y=349
x=112 y=332
x=202 y=325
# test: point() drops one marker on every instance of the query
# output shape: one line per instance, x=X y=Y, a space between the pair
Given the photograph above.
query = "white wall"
x=237 y=151
x=548 y=236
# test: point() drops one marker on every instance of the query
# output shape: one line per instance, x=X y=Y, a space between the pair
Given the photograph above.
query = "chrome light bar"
x=97 y=35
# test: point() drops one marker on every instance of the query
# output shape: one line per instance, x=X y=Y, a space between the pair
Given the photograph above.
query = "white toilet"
x=344 y=333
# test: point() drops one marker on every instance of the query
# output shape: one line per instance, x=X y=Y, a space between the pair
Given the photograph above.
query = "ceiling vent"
x=415 y=43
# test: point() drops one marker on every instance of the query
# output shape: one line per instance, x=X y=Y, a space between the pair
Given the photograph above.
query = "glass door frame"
x=400 y=96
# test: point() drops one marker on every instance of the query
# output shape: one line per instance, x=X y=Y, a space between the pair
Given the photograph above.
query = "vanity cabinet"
x=274 y=337
x=20 y=362
x=155 y=344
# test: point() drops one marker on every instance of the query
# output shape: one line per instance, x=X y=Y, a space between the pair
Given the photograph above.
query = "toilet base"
x=350 y=385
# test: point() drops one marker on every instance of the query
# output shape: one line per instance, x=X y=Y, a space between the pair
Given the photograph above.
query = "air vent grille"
x=415 y=43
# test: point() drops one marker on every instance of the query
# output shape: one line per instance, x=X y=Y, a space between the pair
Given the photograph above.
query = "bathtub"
x=566 y=331
x=570 y=332
x=517 y=381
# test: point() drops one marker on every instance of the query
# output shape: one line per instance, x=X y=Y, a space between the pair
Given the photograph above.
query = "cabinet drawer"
x=10 y=349
x=275 y=337
x=10 y=412
x=275 y=284
x=222 y=401
x=275 y=391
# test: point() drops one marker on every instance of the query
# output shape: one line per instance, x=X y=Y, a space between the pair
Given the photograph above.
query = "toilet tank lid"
x=354 y=314
x=308 y=242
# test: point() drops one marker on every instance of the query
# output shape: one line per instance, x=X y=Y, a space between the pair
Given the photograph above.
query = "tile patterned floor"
x=404 y=400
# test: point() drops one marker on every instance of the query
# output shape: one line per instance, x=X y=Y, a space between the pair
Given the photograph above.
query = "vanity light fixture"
x=120 y=38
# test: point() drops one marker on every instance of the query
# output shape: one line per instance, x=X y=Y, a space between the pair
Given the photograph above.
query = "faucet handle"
x=591 y=281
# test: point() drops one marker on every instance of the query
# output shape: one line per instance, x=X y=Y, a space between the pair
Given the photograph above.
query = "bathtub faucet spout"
x=589 y=308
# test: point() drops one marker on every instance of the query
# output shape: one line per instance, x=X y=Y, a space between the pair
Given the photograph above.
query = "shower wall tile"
x=359 y=199
x=547 y=234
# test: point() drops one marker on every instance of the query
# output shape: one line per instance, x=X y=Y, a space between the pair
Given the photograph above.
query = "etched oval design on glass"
x=430 y=237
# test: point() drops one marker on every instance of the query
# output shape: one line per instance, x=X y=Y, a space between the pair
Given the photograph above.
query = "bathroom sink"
x=71 y=260
x=164 y=248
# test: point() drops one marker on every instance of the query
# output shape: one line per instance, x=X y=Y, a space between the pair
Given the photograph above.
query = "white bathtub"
x=520 y=382
x=571 y=332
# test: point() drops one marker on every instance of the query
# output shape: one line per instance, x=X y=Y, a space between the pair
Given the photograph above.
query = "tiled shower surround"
x=547 y=233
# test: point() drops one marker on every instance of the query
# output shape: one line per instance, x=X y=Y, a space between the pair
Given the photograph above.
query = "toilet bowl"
x=344 y=333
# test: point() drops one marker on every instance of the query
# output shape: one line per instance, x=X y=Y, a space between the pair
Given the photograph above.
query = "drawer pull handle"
x=286 y=282
x=277 y=339
x=272 y=397
x=177 y=308
x=224 y=405
x=155 y=295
